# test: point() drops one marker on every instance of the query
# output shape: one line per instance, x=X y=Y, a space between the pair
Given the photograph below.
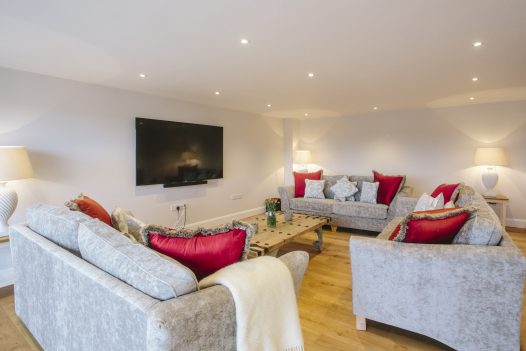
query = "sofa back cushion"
x=57 y=223
x=484 y=227
x=133 y=263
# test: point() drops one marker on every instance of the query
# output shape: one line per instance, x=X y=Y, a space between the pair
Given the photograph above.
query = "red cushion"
x=388 y=187
x=299 y=181
x=203 y=254
x=431 y=227
x=92 y=208
x=449 y=191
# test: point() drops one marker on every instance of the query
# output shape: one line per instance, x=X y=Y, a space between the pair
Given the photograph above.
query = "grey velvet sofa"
x=69 y=304
x=468 y=297
x=349 y=214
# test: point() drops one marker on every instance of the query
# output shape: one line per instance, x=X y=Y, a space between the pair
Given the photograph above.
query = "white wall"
x=429 y=146
x=80 y=138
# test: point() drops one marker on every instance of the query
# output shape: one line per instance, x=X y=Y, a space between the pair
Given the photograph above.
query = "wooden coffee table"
x=267 y=241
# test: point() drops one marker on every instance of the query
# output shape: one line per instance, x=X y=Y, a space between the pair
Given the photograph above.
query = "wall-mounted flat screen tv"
x=176 y=153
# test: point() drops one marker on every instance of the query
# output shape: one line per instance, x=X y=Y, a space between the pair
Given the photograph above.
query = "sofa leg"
x=334 y=228
x=361 y=323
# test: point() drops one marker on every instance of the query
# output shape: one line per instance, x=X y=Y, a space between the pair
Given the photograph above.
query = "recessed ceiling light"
x=306 y=114
x=375 y=108
x=477 y=44
x=475 y=79
x=472 y=98
x=244 y=41
x=311 y=75
x=269 y=105
x=142 y=75
x=217 y=93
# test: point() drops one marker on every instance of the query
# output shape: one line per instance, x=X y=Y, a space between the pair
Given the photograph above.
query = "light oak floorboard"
x=325 y=306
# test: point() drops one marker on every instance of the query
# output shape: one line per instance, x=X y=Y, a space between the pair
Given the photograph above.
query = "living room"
x=403 y=88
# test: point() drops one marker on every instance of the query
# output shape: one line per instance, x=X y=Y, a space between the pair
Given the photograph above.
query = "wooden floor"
x=325 y=307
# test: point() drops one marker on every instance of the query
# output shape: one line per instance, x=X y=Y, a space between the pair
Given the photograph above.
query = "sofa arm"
x=402 y=204
x=286 y=193
x=297 y=262
x=447 y=292
x=206 y=319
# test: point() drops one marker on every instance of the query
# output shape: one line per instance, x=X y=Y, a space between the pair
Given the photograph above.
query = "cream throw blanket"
x=266 y=311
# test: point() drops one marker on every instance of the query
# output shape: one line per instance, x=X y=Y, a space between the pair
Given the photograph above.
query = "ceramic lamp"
x=489 y=158
x=303 y=157
x=14 y=165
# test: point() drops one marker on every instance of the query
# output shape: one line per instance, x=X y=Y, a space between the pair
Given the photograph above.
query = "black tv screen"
x=177 y=153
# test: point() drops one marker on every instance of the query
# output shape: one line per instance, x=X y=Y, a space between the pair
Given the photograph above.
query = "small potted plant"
x=270 y=211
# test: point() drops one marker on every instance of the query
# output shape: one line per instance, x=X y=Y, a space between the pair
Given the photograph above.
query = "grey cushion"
x=361 y=209
x=329 y=182
x=57 y=223
x=359 y=180
x=137 y=265
x=484 y=228
x=316 y=205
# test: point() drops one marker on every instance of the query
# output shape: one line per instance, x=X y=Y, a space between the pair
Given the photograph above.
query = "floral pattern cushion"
x=369 y=192
x=344 y=189
x=314 y=189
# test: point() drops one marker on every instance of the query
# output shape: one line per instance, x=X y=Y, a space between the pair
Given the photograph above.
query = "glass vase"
x=271 y=218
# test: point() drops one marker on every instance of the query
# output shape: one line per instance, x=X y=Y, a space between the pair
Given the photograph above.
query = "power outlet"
x=236 y=196
x=177 y=207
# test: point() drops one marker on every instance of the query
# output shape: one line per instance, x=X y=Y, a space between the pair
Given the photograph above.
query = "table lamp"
x=303 y=157
x=489 y=158
x=14 y=165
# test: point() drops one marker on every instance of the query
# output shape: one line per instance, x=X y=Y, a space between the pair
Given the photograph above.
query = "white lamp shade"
x=14 y=163
x=490 y=156
x=302 y=156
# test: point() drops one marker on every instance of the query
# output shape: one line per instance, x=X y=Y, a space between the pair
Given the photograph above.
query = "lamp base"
x=490 y=178
x=8 y=202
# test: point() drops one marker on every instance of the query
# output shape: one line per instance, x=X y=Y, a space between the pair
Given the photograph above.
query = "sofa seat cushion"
x=361 y=209
x=57 y=223
x=160 y=277
x=483 y=228
x=313 y=205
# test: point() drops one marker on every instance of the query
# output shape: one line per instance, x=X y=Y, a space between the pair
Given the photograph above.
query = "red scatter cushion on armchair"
x=450 y=192
x=388 y=187
x=299 y=181
x=432 y=227
x=204 y=251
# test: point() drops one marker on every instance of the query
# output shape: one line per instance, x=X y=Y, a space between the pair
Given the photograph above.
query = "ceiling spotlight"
x=269 y=105
x=375 y=108
x=244 y=41
x=142 y=75
x=475 y=79
x=217 y=93
x=306 y=114
x=472 y=98
x=311 y=75
x=477 y=44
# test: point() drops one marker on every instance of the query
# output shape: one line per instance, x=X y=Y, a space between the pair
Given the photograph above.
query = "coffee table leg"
x=318 y=244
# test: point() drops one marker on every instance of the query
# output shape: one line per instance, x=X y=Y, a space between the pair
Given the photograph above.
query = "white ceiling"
x=401 y=54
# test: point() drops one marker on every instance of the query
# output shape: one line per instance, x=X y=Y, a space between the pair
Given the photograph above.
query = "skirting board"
x=228 y=218
x=516 y=223
x=7 y=277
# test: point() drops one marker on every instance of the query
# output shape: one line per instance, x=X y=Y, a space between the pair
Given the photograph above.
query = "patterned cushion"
x=483 y=228
x=359 y=180
x=329 y=182
x=314 y=189
x=427 y=202
x=58 y=224
x=127 y=224
x=344 y=189
x=135 y=264
x=313 y=205
x=369 y=192
x=361 y=209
